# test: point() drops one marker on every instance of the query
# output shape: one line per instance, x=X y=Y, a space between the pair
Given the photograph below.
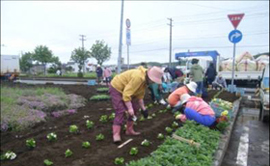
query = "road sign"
x=235 y=36
x=128 y=23
x=128 y=37
x=235 y=19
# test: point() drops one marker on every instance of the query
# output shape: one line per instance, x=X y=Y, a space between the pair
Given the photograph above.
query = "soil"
x=101 y=153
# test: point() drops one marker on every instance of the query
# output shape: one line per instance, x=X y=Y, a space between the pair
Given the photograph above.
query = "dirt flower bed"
x=101 y=152
x=23 y=108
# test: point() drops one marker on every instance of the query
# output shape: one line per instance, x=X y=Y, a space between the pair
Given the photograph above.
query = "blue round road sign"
x=235 y=36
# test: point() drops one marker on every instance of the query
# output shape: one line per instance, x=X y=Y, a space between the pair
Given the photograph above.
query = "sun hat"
x=192 y=86
x=155 y=74
x=184 y=98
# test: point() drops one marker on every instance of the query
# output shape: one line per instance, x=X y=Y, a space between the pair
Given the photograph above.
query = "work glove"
x=145 y=113
x=130 y=108
x=163 y=102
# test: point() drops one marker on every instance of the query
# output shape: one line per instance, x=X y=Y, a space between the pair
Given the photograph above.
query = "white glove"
x=162 y=102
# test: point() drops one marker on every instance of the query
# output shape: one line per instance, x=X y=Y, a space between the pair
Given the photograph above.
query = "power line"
x=188 y=47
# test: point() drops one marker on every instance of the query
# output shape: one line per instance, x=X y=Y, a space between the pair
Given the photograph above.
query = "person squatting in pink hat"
x=127 y=91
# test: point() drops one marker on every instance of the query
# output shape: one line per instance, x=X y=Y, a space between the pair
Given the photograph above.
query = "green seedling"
x=68 y=153
x=168 y=130
x=31 y=143
x=119 y=161
x=100 y=137
x=52 y=137
x=9 y=155
x=112 y=116
x=153 y=115
x=145 y=143
x=142 y=119
x=89 y=124
x=160 y=136
x=86 y=144
x=133 y=151
x=149 y=117
x=174 y=124
x=48 y=162
x=73 y=129
x=103 y=119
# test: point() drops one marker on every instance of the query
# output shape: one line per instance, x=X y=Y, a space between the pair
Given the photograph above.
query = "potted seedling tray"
x=102 y=97
x=103 y=90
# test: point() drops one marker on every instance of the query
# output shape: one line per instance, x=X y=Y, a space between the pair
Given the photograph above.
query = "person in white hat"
x=127 y=91
x=175 y=96
x=195 y=108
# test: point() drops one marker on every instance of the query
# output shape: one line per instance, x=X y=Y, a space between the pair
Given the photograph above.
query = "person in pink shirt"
x=107 y=74
x=195 y=108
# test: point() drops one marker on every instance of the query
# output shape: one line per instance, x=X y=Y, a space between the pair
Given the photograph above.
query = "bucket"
x=91 y=82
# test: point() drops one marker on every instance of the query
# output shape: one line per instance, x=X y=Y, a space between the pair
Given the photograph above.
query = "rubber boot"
x=116 y=133
x=130 y=130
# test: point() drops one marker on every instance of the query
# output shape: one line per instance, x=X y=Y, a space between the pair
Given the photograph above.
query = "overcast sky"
x=197 y=26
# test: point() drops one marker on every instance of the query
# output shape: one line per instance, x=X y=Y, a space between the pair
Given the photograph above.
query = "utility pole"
x=120 y=40
x=83 y=39
x=170 y=58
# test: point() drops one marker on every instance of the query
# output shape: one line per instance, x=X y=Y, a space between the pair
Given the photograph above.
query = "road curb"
x=225 y=138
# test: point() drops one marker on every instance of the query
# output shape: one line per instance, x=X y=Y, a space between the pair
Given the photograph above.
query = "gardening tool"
x=191 y=142
x=123 y=144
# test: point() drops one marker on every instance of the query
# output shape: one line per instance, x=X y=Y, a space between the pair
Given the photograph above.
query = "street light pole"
x=120 y=40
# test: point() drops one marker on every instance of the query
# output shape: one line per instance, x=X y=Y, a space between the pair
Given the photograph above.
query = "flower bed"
x=101 y=151
x=23 y=108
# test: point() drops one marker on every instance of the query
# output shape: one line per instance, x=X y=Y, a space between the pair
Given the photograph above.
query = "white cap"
x=192 y=86
x=184 y=98
x=98 y=65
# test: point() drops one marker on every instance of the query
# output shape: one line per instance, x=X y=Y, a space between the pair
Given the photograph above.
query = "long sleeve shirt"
x=220 y=81
x=175 y=96
x=107 y=73
x=131 y=83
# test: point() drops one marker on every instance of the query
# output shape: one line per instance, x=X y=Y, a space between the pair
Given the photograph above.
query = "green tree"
x=43 y=55
x=26 y=62
x=100 y=52
x=79 y=55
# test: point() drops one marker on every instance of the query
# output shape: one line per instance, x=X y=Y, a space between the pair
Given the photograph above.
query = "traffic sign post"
x=128 y=39
x=235 y=36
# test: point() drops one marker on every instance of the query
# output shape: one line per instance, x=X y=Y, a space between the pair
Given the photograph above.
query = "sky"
x=197 y=26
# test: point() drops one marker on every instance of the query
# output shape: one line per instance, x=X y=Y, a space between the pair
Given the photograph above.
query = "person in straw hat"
x=127 y=91
x=195 y=108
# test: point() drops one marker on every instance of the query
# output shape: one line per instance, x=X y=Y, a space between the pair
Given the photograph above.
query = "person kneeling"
x=195 y=108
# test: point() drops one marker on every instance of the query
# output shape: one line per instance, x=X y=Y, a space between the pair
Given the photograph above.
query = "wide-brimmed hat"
x=155 y=74
x=192 y=86
x=184 y=98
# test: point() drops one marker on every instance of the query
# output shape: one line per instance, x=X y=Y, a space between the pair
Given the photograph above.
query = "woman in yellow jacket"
x=127 y=91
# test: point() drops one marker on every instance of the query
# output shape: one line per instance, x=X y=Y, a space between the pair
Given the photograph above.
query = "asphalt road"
x=249 y=144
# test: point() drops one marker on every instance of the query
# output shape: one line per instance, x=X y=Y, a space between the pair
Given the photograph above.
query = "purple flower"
x=71 y=111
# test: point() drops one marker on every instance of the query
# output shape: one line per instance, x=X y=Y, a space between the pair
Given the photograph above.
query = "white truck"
x=206 y=57
x=10 y=65
x=264 y=94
